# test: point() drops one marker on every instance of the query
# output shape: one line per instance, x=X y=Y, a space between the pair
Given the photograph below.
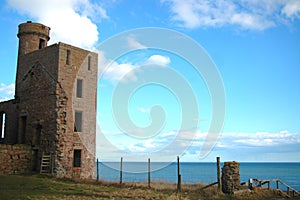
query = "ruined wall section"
x=231 y=177
x=37 y=84
x=73 y=64
x=11 y=122
x=15 y=159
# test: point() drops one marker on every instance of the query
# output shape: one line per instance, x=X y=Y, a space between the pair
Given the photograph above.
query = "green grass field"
x=43 y=187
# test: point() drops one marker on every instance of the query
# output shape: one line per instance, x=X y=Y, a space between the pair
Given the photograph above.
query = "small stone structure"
x=230 y=177
x=54 y=109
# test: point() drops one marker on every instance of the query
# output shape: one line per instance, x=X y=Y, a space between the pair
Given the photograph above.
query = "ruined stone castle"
x=51 y=122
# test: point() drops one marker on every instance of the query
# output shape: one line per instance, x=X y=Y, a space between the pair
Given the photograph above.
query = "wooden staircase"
x=46 y=164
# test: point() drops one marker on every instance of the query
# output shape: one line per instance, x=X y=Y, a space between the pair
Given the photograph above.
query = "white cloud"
x=168 y=134
x=117 y=71
x=259 y=139
x=113 y=71
x=292 y=9
x=246 y=14
x=134 y=44
x=239 y=146
x=158 y=60
x=144 y=110
x=136 y=148
x=69 y=20
x=6 y=91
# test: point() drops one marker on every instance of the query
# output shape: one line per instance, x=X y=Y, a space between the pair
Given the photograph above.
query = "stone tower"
x=32 y=36
x=54 y=110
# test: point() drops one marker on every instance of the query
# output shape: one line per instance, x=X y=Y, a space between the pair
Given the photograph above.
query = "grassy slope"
x=38 y=187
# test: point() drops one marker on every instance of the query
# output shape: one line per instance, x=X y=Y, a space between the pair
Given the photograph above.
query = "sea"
x=192 y=173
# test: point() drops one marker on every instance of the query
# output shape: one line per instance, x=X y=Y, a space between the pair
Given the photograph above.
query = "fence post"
x=149 y=173
x=97 y=169
x=179 y=175
x=121 y=166
x=293 y=193
x=219 y=174
x=277 y=185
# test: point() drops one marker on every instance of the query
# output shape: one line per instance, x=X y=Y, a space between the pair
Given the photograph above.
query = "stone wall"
x=69 y=140
x=230 y=177
x=15 y=159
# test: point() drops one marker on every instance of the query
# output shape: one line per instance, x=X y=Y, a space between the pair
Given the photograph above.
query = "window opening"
x=68 y=57
x=2 y=120
x=77 y=158
x=78 y=121
x=42 y=44
x=89 y=62
x=79 y=88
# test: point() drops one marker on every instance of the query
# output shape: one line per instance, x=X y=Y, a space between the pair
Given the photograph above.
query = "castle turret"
x=32 y=36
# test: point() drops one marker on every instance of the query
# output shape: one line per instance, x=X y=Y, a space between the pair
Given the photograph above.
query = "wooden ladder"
x=46 y=164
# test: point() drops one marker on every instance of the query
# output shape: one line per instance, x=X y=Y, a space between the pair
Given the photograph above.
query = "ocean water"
x=199 y=172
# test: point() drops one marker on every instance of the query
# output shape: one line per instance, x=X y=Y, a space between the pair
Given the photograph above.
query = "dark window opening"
x=77 y=158
x=79 y=88
x=42 y=44
x=68 y=57
x=2 y=124
x=89 y=62
x=78 y=121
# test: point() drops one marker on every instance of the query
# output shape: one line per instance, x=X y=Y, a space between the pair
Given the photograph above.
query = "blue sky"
x=255 y=46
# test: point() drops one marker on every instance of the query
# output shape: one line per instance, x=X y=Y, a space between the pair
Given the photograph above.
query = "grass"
x=43 y=187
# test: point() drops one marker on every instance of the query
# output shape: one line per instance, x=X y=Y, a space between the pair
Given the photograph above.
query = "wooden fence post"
x=97 y=169
x=121 y=166
x=219 y=174
x=179 y=175
x=149 y=173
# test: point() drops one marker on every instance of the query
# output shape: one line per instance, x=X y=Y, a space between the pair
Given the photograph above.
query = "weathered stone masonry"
x=18 y=159
x=54 y=110
x=230 y=177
